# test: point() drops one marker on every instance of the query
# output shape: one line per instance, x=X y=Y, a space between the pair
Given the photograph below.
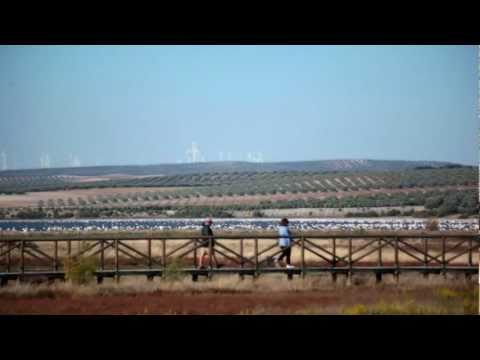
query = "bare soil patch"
x=289 y=297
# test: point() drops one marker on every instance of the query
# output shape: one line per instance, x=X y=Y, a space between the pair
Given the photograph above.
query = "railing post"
x=444 y=263
x=164 y=256
x=303 y=256
x=55 y=256
x=397 y=264
x=378 y=274
x=256 y=256
x=470 y=246
x=334 y=259
x=380 y=259
x=117 y=265
x=22 y=256
x=195 y=261
x=241 y=258
x=425 y=257
x=149 y=253
x=349 y=275
x=9 y=256
x=102 y=254
x=102 y=261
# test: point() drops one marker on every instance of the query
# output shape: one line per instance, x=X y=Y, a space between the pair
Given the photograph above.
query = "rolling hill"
x=232 y=166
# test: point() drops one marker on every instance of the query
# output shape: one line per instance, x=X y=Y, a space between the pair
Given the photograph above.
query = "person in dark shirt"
x=205 y=243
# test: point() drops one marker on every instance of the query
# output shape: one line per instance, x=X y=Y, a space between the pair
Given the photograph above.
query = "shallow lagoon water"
x=233 y=224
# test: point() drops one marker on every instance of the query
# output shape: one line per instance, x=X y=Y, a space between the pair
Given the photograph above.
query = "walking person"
x=285 y=242
x=205 y=243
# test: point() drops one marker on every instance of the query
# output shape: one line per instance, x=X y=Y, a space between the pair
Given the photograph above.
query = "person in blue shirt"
x=285 y=242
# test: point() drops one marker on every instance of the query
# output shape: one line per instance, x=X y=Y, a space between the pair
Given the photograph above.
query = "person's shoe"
x=290 y=267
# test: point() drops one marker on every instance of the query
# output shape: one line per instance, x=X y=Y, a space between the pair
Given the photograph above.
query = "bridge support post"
x=99 y=279
x=444 y=260
x=256 y=257
x=303 y=257
x=349 y=278
x=3 y=281
x=334 y=277
x=117 y=263
x=242 y=277
x=194 y=277
x=468 y=276
x=289 y=275
x=396 y=276
x=378 y=277
x=149 y=277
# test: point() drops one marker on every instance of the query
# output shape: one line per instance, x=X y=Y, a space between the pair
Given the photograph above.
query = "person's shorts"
x=205 y=244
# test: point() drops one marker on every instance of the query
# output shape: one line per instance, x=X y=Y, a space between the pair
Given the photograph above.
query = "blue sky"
x=146 y=104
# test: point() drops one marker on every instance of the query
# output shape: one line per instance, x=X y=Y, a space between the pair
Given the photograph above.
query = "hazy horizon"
x=64 y=106
x=232 y=161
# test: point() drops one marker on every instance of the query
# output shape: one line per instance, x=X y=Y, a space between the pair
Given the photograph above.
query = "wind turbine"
x=193 y=152
x=3 y=155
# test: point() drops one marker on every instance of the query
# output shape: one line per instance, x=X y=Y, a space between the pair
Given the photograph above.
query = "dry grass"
x=132 y=285
x=445 y=301
x=269 y=294
x=270 y=283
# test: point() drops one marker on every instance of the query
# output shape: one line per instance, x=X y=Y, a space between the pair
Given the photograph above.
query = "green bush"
x=393 y=212
x=257 y=213
x=173 y=270
x=408 y=212
x=79 y=270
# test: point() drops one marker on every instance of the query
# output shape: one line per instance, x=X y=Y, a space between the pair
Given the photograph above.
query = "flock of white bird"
x=231 y=224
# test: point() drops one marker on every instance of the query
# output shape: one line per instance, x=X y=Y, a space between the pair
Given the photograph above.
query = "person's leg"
x=207 y=254
x=282 y=255
x=288 y=252
x=213 y=257
x=202 y=256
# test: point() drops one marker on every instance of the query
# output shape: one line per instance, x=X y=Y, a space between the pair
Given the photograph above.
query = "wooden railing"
x=150 y=254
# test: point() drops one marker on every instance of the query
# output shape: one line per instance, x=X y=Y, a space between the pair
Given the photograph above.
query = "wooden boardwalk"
x=152 y=255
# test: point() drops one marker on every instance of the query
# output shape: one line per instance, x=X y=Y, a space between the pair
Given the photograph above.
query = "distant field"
x=247 y=182
x=169 y=196
x=212 y=188
x=451 y=190
x=34 y=199
x=233 y=167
